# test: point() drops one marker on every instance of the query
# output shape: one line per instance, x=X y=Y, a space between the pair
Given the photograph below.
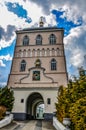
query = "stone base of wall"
x=24 y=116
x=48 y=116
x=19 y=116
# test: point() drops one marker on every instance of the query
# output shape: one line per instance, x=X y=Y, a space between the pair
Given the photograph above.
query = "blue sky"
x=19 y=14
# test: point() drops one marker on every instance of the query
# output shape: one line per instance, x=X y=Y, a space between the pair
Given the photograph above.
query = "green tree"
x=6 y=98
x=62 y=105
x=72 y=102
x=78 y=114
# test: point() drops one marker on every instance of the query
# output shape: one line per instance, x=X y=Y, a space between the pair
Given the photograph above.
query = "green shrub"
x=78 y=114
x=71 y=102
x=6 y=98
x=62 y=105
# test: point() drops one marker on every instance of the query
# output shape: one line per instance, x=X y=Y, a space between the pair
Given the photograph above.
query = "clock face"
x=36 y=75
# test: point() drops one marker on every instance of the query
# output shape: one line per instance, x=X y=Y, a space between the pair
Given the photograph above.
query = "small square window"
x=22 y=100
x=48 y=101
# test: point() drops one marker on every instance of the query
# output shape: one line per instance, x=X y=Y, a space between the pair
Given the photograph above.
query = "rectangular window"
x=48 y=101
x=22 y=100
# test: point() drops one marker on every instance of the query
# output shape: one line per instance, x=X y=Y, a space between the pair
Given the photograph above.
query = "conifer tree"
x=72 y=102
x=6 y=98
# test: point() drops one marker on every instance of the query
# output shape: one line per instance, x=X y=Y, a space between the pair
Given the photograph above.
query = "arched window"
x=53 y=64
x=52 y=39
x=23 y=65
x=39 y=40
x=25 y=41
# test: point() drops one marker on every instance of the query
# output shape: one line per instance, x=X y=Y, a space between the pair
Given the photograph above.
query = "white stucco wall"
x=24 y=94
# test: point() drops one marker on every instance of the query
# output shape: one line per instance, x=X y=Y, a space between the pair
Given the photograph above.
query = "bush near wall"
x=6 y=100
x=60 y=106
x=72 y=103
x=78 y=114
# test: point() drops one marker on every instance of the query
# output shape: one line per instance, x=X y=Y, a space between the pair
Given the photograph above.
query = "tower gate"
x=38 y=69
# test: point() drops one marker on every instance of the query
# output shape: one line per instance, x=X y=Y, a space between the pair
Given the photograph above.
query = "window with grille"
x=39 y=40
x=53 y=64
x=23 y=65
x=25 y=41
x=52 y=39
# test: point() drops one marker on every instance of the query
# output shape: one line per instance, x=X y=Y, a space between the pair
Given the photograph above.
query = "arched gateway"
x=33 y=101
x=37 y=72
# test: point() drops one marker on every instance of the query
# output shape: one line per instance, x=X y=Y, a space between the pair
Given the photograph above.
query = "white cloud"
x=73 y=34
x=34 y=11
x=4 y=43
x=2 y=84
x=2 y=64
x=73 y=8
x=76 y=58
x=75 y=44
x=6 y=57
x=9 y=18
x=72 y=13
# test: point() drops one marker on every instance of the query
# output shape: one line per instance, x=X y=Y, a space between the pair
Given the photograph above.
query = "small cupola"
x=41 y=21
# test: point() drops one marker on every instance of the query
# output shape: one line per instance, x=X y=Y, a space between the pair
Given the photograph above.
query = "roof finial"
x=41 y=21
